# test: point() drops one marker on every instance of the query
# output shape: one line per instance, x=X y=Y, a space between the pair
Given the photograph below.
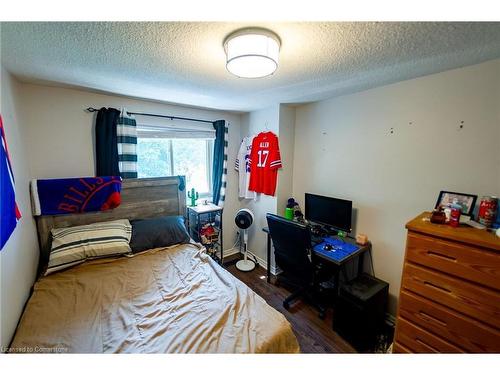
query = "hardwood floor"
x=314 y=335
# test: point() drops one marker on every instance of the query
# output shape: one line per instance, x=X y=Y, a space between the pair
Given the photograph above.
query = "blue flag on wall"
x=10 y=214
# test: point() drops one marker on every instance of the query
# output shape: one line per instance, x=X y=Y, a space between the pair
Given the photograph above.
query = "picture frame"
x=466 y=201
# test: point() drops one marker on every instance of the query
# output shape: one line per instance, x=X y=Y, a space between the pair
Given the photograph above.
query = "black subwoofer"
x=360 y=311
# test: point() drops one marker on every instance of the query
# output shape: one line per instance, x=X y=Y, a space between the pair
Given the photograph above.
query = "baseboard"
x=232 y=251
x=262 y=262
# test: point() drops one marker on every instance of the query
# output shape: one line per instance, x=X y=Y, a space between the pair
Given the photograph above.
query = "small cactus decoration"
x=193 y=195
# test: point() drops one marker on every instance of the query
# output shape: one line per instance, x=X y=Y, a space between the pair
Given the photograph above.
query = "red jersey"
x=265 y=160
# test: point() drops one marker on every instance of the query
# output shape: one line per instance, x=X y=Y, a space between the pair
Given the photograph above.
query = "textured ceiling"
x=184 y=63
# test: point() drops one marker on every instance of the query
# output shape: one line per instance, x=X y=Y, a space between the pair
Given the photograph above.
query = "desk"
x=338 y=264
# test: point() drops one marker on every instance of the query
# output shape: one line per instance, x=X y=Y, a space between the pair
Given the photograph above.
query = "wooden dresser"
x=450 y=290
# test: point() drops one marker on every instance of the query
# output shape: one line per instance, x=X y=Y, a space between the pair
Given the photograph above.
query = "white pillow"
x=74 y=245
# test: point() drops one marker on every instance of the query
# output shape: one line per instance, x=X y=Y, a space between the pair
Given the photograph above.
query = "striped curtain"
x=126 y=131
x=224 y=169
x=220 y=162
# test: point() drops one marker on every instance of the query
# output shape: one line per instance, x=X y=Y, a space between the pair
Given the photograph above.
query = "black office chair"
x=292 y=253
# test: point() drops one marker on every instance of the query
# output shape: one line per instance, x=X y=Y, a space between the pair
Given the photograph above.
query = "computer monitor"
x=329 y=211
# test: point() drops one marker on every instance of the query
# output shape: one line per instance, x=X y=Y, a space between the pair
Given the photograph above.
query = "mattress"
x=175 y=300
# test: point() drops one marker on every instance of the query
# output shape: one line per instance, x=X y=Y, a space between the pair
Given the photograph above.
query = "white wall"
x=279 y=119
x=19 y=257
x=60 y=135
x=344 y=148
x=252 y=123
x=286 y=134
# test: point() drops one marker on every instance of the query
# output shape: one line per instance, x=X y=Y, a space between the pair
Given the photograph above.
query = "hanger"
x=266 y=129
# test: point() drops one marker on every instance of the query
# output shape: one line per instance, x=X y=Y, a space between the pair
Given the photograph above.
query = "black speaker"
x=360 y=311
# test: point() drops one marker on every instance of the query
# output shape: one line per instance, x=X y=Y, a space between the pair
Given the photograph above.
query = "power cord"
x=238 y=242
x=372 y=269
x=371 y=262
x=254 y=259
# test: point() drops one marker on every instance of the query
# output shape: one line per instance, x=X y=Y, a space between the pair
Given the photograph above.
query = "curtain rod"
x=90 y=109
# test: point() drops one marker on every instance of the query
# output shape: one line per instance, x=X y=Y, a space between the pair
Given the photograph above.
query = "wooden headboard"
x=141 y=198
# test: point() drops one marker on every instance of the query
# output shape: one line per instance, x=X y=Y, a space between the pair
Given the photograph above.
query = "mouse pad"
x=339 y=251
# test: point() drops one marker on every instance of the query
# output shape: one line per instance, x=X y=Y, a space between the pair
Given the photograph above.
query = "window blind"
x=175 y=130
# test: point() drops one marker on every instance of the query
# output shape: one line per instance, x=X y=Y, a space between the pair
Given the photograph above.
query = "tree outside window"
x=192 y=157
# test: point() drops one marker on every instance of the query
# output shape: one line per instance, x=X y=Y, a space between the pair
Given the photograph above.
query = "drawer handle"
x=430 y=317
x=439 y=255
x=427 y=345
x=443 y=289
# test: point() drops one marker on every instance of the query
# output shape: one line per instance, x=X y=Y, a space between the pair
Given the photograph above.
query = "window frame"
x=210 y=154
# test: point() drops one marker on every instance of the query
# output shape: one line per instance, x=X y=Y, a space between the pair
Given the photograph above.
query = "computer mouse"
x=327 y=247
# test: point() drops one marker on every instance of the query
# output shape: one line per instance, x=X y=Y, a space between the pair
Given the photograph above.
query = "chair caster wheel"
x=286 y=305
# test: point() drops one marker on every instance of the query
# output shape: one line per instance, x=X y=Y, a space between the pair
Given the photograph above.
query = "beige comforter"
x=175 y=300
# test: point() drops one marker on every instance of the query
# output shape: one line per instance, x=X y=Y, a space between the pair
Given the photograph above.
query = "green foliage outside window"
x=159 y=157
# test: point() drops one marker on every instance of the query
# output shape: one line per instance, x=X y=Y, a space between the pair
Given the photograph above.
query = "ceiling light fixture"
x=252 y=53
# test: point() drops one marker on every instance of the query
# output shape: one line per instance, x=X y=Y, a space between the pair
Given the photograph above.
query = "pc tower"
x=360 y=311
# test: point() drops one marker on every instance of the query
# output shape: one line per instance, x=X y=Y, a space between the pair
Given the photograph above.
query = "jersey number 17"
x=263 y=155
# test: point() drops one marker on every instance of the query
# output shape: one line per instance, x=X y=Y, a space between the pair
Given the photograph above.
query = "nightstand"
x=204 y=223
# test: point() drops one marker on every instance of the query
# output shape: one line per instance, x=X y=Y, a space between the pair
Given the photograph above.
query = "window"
x=191 y=157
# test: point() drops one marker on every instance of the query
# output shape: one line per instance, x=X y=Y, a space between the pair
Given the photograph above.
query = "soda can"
x=487 y=210
x=455 y=216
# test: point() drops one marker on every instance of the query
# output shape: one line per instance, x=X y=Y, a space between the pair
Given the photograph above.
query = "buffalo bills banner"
x=75 y=195
x=8 y=207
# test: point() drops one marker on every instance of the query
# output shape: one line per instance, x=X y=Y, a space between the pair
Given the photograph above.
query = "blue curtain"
x=106 y=148
x=219 y=162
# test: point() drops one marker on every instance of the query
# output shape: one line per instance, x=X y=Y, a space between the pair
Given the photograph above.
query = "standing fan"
x=243 y=220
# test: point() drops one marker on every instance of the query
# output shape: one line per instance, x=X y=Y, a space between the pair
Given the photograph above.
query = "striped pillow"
x=74 y=245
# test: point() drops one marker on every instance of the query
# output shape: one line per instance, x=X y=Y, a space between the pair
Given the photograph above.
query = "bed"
x=164 y=300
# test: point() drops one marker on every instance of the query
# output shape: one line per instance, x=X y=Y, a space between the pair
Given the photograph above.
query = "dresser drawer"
x=454 y=327
x=479 y=303
x=399 y=349
x=467 y=262
x=417 y=340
